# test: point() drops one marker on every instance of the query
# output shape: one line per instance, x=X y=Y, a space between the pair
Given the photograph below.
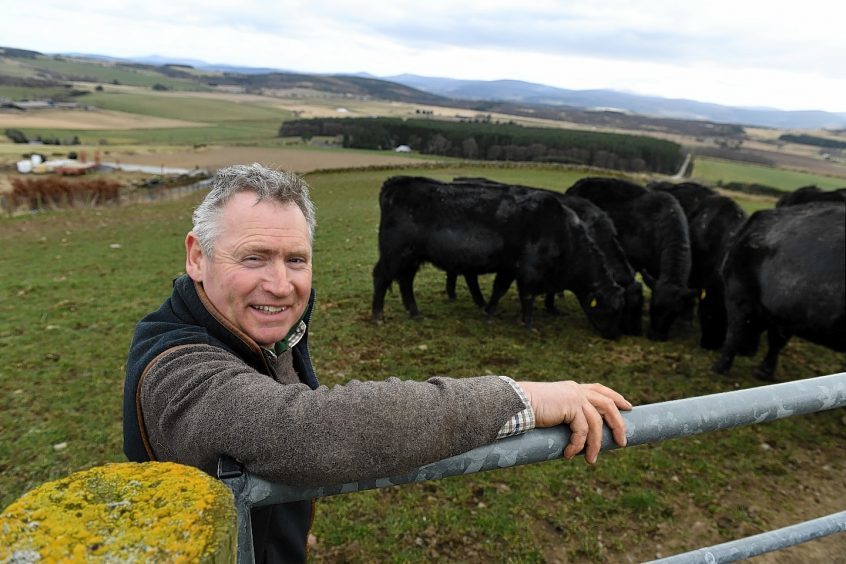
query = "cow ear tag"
x=593 y=302
x=702 y=295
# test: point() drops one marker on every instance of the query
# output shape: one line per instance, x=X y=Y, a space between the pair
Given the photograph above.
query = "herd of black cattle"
x=782 y=270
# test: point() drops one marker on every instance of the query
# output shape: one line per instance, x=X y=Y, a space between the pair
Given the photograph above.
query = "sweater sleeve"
x=200 y=402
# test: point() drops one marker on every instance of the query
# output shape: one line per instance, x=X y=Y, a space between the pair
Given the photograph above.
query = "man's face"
x=260 y=276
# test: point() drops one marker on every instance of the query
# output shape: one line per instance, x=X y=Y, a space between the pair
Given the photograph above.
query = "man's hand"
x=582 y=407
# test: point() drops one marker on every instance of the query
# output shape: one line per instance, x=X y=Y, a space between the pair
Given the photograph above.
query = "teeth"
x=270 y=309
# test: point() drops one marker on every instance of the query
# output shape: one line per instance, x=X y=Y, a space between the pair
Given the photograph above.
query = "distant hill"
x=531 y=93
x=335 y=84
x=186 y=74
x=606 y=107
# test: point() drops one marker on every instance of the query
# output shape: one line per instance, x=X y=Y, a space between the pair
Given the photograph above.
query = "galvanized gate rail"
x=644 y=424
x=764 y=542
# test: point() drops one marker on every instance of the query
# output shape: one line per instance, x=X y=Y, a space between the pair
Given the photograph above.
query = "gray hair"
x=277 y=186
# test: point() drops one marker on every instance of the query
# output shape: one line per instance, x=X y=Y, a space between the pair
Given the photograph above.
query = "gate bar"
x=762 y=543
x=644 y=424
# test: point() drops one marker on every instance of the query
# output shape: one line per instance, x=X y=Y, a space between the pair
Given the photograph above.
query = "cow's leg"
x=549 y=304
x=631 y=322
x=751 y=338
x=738 y=335
x=381 y=283
x=501 y=284
x=776 y=339
x=527 y=305
x=473 y=285
x=712 y=317
x=406 y=284
x=451 y=277
x=686 y=313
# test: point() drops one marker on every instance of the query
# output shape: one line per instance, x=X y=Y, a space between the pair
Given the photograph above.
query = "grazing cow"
x=712 y=224
x=601 y=230
x=688 y=194
x=712 y=221
x=786 y=272
x=653 y=232
x=532 y=239
x=807 y=194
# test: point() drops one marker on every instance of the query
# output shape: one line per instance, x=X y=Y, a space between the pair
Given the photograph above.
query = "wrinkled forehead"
x=246 y=207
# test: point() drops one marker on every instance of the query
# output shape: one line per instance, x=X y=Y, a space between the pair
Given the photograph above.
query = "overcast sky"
x=756 y=53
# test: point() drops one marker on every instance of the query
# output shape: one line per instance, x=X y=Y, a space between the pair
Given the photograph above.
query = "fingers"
x=619 y=400
x=583 y=407
x=608 y=403
x=578 y=435
x=600 y=403
x=609 y=411
x=594 y=438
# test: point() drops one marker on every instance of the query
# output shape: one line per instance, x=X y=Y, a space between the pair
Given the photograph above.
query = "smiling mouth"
x=270 y=309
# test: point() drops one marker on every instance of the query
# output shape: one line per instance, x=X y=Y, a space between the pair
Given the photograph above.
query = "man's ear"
x=195 y=258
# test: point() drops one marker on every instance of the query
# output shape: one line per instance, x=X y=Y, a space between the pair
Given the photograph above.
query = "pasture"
x=97 y=72
x=75 y=282
x=200 y=120
x=713 y=172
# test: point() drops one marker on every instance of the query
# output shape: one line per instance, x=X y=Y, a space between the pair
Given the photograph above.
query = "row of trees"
x=18 y=136
x=490 y=141
x=812 y=140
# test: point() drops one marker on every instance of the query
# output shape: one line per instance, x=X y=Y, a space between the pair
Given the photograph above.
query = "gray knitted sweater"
x=200 y=401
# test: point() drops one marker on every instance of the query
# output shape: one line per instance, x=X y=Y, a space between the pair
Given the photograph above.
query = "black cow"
x=807 y=194
x=713 y=225
x=599 y=227
x=786 y=273
x=688 y=194
x=653 y=232
x=712 y=221
x=532 y=239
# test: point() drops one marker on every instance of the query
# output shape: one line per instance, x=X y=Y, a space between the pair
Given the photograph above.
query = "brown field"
x=88 y=120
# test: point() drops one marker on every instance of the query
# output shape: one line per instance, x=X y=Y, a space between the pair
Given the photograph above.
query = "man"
x=222 y=368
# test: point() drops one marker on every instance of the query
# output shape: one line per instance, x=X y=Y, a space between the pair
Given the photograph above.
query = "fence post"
x=123 y=512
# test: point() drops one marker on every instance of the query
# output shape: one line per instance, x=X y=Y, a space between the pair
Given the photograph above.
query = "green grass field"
x=186 y=108
x=714 y=172
x=74 y=283
x=105 y=73
x=255 y=133
x=220 y=121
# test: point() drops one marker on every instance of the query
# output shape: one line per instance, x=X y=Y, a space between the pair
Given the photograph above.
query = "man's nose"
x=277 y=281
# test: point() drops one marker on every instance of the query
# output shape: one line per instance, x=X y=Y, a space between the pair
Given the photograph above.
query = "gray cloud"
x=737 y=50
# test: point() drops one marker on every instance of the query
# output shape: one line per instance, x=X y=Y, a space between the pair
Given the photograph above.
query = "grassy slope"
x=107 y=73
x=182 y=107
x=225 y=121
x=718 y=171
x=69 y=301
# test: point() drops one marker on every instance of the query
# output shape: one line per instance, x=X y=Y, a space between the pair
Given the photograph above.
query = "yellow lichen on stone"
x=155 y=511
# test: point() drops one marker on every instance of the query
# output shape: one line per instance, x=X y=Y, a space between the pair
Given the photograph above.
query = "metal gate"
x=644 y=424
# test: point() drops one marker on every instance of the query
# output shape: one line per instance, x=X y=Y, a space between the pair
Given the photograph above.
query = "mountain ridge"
x=477 y=94
x=605 y=99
